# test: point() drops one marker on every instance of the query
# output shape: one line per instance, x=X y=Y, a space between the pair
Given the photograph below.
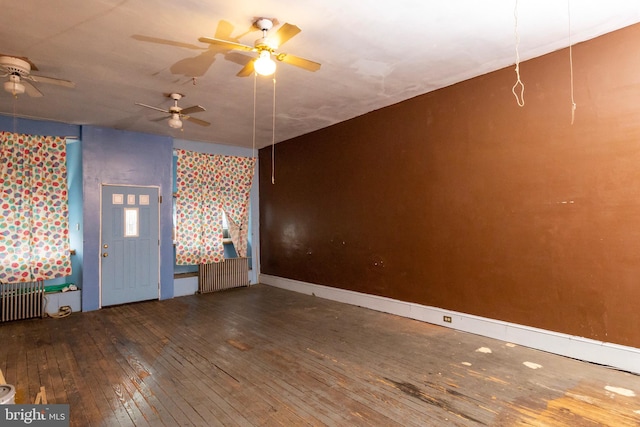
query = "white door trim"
x=102 y=185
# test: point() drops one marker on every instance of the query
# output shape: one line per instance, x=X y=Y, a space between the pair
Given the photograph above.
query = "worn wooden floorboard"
x=158 y=381
x=99 y=386
x=262 y=356
x=71 y=382
x=156 y=384
x=165 y=375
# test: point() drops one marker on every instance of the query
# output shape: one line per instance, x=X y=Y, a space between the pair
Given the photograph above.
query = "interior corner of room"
x=462 y=206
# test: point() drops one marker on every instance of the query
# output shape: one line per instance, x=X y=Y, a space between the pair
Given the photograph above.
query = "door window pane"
x=131 y=222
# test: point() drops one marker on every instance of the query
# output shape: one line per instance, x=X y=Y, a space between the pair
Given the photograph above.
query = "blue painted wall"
x=74 y=179
x=112 y=156
x=38 y=127
x=100 y=155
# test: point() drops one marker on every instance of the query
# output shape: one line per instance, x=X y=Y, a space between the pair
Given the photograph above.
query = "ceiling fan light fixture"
x=175 y=121
x=13 y=85
x=14 y=88
x=264 y=65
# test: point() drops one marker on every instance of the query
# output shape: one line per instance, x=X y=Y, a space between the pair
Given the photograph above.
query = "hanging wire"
x=573 y=102
x=15 y=118
x=519 y=98
x=273 y=134
x=255 y=79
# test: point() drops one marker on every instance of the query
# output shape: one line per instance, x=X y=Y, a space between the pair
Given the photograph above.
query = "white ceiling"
x=373 y=54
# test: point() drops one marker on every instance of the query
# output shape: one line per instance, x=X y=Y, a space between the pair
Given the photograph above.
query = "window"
x=131 y=223
x=210 y=188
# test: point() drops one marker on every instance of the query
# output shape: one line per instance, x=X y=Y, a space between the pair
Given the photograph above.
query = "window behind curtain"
x=34 y=232
x=208 y=188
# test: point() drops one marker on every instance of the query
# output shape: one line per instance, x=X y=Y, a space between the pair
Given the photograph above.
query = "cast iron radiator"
x=21 y=300
x=230 y=273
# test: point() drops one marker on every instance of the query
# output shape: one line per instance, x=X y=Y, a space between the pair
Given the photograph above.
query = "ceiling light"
x=264 y=65
x=13 y=86
x=175 y=121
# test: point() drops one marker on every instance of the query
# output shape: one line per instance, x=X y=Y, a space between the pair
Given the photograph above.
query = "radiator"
x=21 y=300
x=230 y=273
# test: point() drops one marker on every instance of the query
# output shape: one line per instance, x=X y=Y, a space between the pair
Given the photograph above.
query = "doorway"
x=130 y=244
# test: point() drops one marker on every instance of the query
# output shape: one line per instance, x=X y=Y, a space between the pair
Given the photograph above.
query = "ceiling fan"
x=19 y=72
x=176 y=114
x=267 y=47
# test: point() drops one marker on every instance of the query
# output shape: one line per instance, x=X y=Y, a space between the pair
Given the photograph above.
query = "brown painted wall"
x=462 y=200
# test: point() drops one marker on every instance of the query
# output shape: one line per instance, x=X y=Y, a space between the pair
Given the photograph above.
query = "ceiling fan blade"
x=196 y=121
x=167 y=42
x=31 y=90
x=51 y=80
x=284 y=33
x=298 y=62
x=247 y=70
x=159 y=119
x=191 y=110
x=152 y=107
x=226 y=43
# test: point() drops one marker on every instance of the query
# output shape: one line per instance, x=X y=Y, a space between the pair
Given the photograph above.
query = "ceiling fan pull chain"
x=255 y=79
x=519 y=98
x=273 y=134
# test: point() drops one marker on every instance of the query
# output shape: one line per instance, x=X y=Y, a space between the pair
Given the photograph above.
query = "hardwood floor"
x=263 y=356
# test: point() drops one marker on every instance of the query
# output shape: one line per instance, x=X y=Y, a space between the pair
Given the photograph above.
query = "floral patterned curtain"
x=234 y=176
x=208 y=184
x=198 y=220
x=34 y=232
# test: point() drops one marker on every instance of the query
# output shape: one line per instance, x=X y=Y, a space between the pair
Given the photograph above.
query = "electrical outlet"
x=447 y=319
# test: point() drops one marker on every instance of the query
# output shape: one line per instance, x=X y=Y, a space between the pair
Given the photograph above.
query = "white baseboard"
x=603 y=353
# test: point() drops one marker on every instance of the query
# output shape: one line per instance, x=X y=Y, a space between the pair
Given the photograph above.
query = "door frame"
x=102 y=185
